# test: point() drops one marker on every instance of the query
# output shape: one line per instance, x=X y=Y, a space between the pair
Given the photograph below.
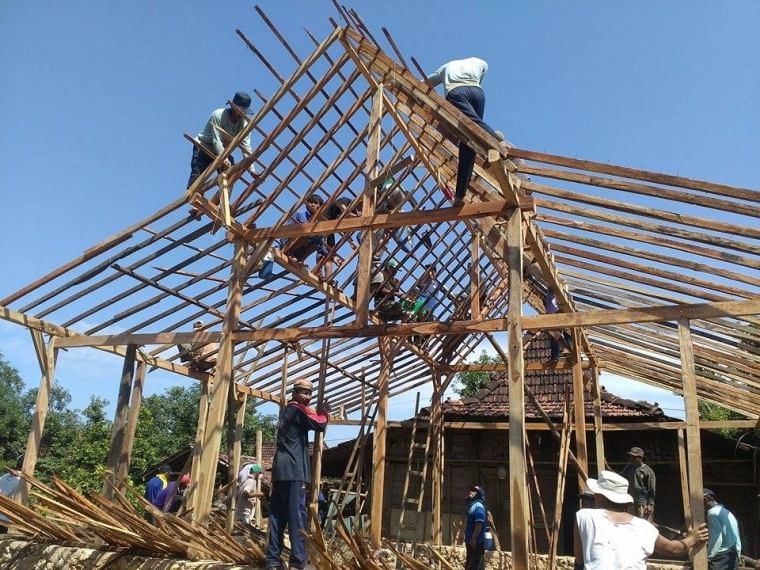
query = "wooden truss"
x=656 y=274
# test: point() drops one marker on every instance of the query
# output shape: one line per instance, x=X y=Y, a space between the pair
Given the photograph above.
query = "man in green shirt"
x=220 y=129
x=641 y=483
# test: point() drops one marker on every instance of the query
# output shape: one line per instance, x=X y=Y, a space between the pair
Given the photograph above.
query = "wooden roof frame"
x=342 y=121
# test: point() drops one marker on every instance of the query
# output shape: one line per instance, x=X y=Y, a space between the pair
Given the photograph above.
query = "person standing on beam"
x=461 y=80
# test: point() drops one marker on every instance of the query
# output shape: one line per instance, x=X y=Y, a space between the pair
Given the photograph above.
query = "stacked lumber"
x=60 y=513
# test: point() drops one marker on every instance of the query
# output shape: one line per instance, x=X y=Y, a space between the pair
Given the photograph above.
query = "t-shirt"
x=155 y=486
x=8 y=488
x=469 y=71
x=723 y=531
x=219 y=131
x=168 y=494
x=609 y=545
x=476 y=513
x=243 y=505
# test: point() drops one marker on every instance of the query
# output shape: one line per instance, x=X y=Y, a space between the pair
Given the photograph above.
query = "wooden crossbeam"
x=498 y=208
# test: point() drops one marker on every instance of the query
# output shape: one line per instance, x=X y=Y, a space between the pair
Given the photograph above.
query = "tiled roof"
x=549 y=386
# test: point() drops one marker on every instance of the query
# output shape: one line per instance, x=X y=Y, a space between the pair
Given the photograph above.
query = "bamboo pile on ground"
x=60 y=513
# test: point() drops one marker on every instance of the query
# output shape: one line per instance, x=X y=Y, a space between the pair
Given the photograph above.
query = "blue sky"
x=96 y=96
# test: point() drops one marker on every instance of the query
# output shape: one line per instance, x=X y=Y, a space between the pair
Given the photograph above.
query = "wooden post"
x=119 y=421
x=197 y=446
x=40 y=413
x=135 y=402
x=436 y=425
x=368 y=207
x=518 y=489
x=319 y=437
x=259 y=461
x=598 y=427
x=579 y=407
x=235 y=449
x=684 y=477
x=475 y=278
x=222 y=379
x=378 y=449
x=693 y=442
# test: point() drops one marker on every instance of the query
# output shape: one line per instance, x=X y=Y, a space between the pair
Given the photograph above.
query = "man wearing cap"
x=641 y=483
x=291 y=470
x=247 y=492
x=170 y=499
x=384 y=289
x=724 y=546
x=475 y=531
x=608 y=536
x=220 y=129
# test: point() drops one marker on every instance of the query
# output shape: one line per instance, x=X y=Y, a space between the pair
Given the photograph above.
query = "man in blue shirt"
x=724 y=546
x=474 y=534
x=155 y=485
x=298 y=249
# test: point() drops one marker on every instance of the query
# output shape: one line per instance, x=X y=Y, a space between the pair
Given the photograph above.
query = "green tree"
x=714 y=412
x=469 y=383
x=14 y=422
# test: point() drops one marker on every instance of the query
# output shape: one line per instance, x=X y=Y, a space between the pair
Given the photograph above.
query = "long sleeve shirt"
x=641 y=483
x=220 y=130
x=469 y=71
x=723 y=532
x=291 y=457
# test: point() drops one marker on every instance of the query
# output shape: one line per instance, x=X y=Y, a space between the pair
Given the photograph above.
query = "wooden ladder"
x=418 y=451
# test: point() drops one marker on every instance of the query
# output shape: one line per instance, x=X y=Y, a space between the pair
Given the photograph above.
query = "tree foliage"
x=713 y=412
x=469 y=383
x=75 y=442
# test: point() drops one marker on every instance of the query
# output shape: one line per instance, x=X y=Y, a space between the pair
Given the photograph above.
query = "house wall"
x=476 y=456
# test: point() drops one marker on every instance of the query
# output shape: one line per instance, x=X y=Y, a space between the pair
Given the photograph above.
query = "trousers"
x=287 y=508
x=472 y=102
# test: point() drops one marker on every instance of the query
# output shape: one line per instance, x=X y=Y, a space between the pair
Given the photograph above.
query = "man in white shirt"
x=461 y=80
x=8 y=488
x=724 y=545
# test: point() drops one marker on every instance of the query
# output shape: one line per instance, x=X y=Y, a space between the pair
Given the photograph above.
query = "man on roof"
x=222 y=126
x=461 y=80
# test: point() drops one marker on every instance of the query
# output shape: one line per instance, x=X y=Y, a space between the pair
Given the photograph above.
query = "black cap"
x=708 y=493
x=165 y=468
x=243 y=100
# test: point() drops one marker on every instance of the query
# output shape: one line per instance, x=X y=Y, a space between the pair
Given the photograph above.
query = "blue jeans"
x=200 y=162
x=472 y=102
x=287 y=508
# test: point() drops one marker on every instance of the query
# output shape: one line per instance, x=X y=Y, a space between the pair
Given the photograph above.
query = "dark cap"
x=636 y=452
x=243 y=100
x=708 y=493
x=165 y=468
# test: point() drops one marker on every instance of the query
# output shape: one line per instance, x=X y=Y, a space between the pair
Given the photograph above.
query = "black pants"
x=472 y=102
x=200 y=162
x=476 y=557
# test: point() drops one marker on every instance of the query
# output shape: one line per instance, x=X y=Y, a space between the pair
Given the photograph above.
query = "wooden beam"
x=598 y=423
x=38 y=420
x=135 y=402
x=119 y=422
x=503 y=366
x=378 y=449
x=683 y=469
x=219 y=396
x=518 y=495
x=698 y=555
x=436 y=440
x=371 y=168
x=236 y=410
x=373 y=222
x=608 y=426
x=579 y=408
